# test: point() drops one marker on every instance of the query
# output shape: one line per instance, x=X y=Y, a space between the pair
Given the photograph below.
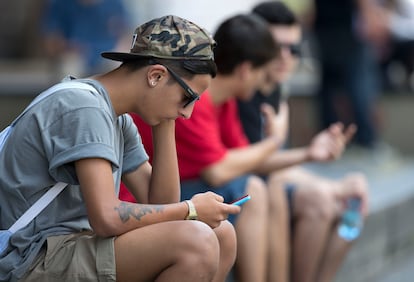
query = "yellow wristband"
x=192 y=213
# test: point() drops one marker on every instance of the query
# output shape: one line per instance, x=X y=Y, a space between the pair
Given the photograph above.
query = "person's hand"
x=330 y=143
x=355 y=185
x=276 y=124
x=211 y=209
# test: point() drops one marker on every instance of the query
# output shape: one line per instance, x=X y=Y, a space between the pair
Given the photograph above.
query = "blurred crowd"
x=359 y=49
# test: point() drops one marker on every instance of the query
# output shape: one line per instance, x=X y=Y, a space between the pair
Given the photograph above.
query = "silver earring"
x=152 y=83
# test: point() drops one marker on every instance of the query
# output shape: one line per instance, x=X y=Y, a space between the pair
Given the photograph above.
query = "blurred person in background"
x=311 y=249
x=397 y=56
x=348 y=34
x=76 y=32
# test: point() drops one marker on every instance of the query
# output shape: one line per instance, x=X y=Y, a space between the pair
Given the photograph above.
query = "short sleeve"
x=86 y=132
x=134 y=151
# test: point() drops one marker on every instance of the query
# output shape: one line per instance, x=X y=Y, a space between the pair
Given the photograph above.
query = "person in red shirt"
x=213 y=152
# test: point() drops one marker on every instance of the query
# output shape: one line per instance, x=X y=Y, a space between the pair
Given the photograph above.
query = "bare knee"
x=196 y=255
x=226 y=235
x=256 y=187
x=227 y=239
x=201 y=250
x=315 y=204
x=277 y=196
x=169 y=251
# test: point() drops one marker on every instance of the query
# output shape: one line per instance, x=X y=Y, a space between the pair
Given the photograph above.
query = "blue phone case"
x=242 y=200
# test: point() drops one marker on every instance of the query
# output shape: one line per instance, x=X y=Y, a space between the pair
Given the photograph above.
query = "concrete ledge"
x=388 y=234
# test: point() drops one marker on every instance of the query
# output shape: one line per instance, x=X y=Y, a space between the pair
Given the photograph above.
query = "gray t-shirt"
x=68 y=125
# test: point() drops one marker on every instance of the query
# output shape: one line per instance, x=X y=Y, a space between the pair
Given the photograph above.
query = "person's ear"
x=155 y=75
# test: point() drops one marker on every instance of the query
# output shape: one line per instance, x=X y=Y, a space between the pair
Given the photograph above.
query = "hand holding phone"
x=241 y=200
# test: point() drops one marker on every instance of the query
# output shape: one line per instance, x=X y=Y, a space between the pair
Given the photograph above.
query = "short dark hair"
x=275 y=12
x=244 y=37
x=185 y=68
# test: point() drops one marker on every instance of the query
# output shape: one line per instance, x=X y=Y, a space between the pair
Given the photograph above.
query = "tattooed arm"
x=109 y=216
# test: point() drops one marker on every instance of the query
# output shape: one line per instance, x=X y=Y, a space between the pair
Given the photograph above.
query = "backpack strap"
x=37 y=207
x=53 y=89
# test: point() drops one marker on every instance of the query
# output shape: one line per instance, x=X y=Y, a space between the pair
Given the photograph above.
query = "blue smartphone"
x=241 y=200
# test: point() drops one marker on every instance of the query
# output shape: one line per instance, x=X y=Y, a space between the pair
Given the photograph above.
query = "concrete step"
x=400 y=269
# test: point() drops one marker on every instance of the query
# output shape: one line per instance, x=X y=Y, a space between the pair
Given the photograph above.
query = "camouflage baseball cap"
x=168 y=37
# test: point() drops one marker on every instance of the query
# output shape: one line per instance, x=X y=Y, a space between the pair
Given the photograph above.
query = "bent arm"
x=108 y=215
x=165 y=181
x=159 y=184
x=239 y=161
x=283 y=159
x=328 y=145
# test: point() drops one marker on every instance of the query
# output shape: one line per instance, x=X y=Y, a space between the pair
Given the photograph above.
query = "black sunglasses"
x=190 y=94
x=294 y=49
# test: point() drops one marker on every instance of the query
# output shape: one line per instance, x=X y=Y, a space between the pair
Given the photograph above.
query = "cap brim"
x=121 y=57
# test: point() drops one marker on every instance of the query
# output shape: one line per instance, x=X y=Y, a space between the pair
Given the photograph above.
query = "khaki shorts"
x=74 y=257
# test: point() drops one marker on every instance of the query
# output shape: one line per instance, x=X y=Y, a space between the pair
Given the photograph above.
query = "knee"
x=277 y=196
x=202 y=250
x=319 y=205
x=227 y=237
x=228 y=243
x=257 y=189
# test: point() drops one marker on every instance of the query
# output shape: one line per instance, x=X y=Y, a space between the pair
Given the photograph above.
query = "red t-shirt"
x=204 y=138
x=146 y=135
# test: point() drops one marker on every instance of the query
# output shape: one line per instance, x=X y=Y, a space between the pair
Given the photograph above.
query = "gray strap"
x=51 y=90
x=37 y=207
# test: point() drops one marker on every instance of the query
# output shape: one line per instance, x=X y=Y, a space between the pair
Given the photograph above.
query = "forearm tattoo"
x=126 y=210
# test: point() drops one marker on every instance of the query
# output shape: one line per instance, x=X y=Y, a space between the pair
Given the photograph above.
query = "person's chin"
x=152 y=122
x=247 y=97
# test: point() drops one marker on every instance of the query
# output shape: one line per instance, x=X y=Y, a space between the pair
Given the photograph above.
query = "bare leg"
x=314 y=212
x=251 y=233
x=228 y=249
x=154 y=253
x=279 y=233
x=337 y=248
x=335 y=253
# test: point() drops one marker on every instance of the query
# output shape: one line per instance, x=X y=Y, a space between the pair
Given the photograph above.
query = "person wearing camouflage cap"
x=81 y=134
x=157 y=39
x=213 y=152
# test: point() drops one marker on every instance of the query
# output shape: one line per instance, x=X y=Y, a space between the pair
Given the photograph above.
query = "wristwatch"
x=192 y=213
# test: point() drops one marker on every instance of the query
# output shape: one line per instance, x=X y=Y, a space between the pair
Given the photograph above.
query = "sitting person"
x=213 y=152
x=82 y=136
x=315 y=201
